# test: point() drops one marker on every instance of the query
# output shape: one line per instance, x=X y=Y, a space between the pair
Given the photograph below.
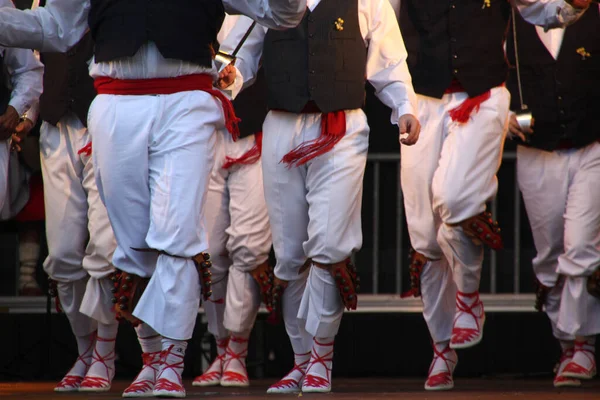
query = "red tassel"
x=249 y=157
x=333 y=128
x=231 y=120
x=462 y=113
x=87 y=149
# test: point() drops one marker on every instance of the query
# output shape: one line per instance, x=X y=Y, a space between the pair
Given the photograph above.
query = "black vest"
x=251 y=106
x=181 y=29
x=4 y=88
x=317 y=61
x=563 y=94
x=67 y=83
x=459 y=39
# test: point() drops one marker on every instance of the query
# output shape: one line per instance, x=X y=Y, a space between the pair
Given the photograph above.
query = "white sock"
x=103 y=359
x=323 y=348
x=237 y=351
x=444 y=359
x=172 y=359
x=466 y=301
x=85 y=347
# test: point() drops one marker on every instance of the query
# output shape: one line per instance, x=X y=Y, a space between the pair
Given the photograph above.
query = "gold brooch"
x=581 y=51
x=339 y=24
x=486 y=3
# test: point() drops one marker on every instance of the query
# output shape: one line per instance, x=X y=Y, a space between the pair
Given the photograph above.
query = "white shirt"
x=26 y=75
x=552 y=39
x=62 y=23
x=386 y=67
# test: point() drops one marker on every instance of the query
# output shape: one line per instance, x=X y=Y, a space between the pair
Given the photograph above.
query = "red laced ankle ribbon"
x=145 y=385
x=75 y=380
x=214 y=375
x=249 y=157
x=333 y=129
x=233 y=356
x=165 y=86
x=442 y=378
x=164 y=383
x=461 y=335
x=98 y=382
x=288 y=382
x=317 y=381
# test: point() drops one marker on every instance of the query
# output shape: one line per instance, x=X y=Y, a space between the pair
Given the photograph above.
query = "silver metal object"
x=525 y=120
x=524 y=116
x=223 y=59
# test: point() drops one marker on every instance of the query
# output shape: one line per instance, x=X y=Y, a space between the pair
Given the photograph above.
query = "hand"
x=22 y=130
x=8 y=122
x=514 y=129
x=410 y=127
x=580 y=4
x=226 y=77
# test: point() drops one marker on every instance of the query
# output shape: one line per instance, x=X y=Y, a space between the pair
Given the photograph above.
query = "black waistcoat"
x=318 y=60
x=564 y=93
x=181 y=29
x=251 y=106
x=459 y=39
x=67 y=83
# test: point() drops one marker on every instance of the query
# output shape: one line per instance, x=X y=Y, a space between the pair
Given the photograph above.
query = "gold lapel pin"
x=581 y=51
x=339 y=24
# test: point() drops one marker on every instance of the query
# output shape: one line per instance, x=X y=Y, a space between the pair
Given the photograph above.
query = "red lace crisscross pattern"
x=151 y=360
x=288 y=383
x=215 y=375
x=87 y=149
x=316 y=358
x=462 y=335
x=444 y=377
x=96 y=381
x=74 y=381
x=573 y=367
x=233 y=356
x=164 y=383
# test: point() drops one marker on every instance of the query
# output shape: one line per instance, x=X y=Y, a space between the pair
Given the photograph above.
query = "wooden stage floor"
x=345 y=389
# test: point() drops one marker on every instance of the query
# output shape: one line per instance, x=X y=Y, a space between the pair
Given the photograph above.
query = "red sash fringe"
x=249 y=157
x=463 y=112
x=333 y=129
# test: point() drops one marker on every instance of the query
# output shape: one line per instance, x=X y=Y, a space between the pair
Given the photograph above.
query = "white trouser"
x=561 y=191
x=240 y=237
x=153 y=156
x=74 y=213
x=315 y=212
x=447 y=177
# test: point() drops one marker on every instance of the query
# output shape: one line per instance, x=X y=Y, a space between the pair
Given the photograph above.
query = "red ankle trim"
x=237 y=339
x=323 y=344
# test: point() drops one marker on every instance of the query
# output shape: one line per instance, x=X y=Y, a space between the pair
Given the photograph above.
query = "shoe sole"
x=234 y=384
x=94 y=390
x=572 y=383
x=206 y=384
x=316 y=390
x=65 y=390
x=166 y=393
x=579 y=376
x=282 y=391
x=439 y=388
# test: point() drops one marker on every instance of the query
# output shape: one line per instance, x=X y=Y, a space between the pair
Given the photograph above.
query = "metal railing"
x=375 y=162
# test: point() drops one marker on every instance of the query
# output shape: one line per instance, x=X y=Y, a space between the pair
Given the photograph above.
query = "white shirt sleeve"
x=56 y=27
x=26 y=74
x=386 y=58
x=248 y=57
x=274 y=14
x=548 y=13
